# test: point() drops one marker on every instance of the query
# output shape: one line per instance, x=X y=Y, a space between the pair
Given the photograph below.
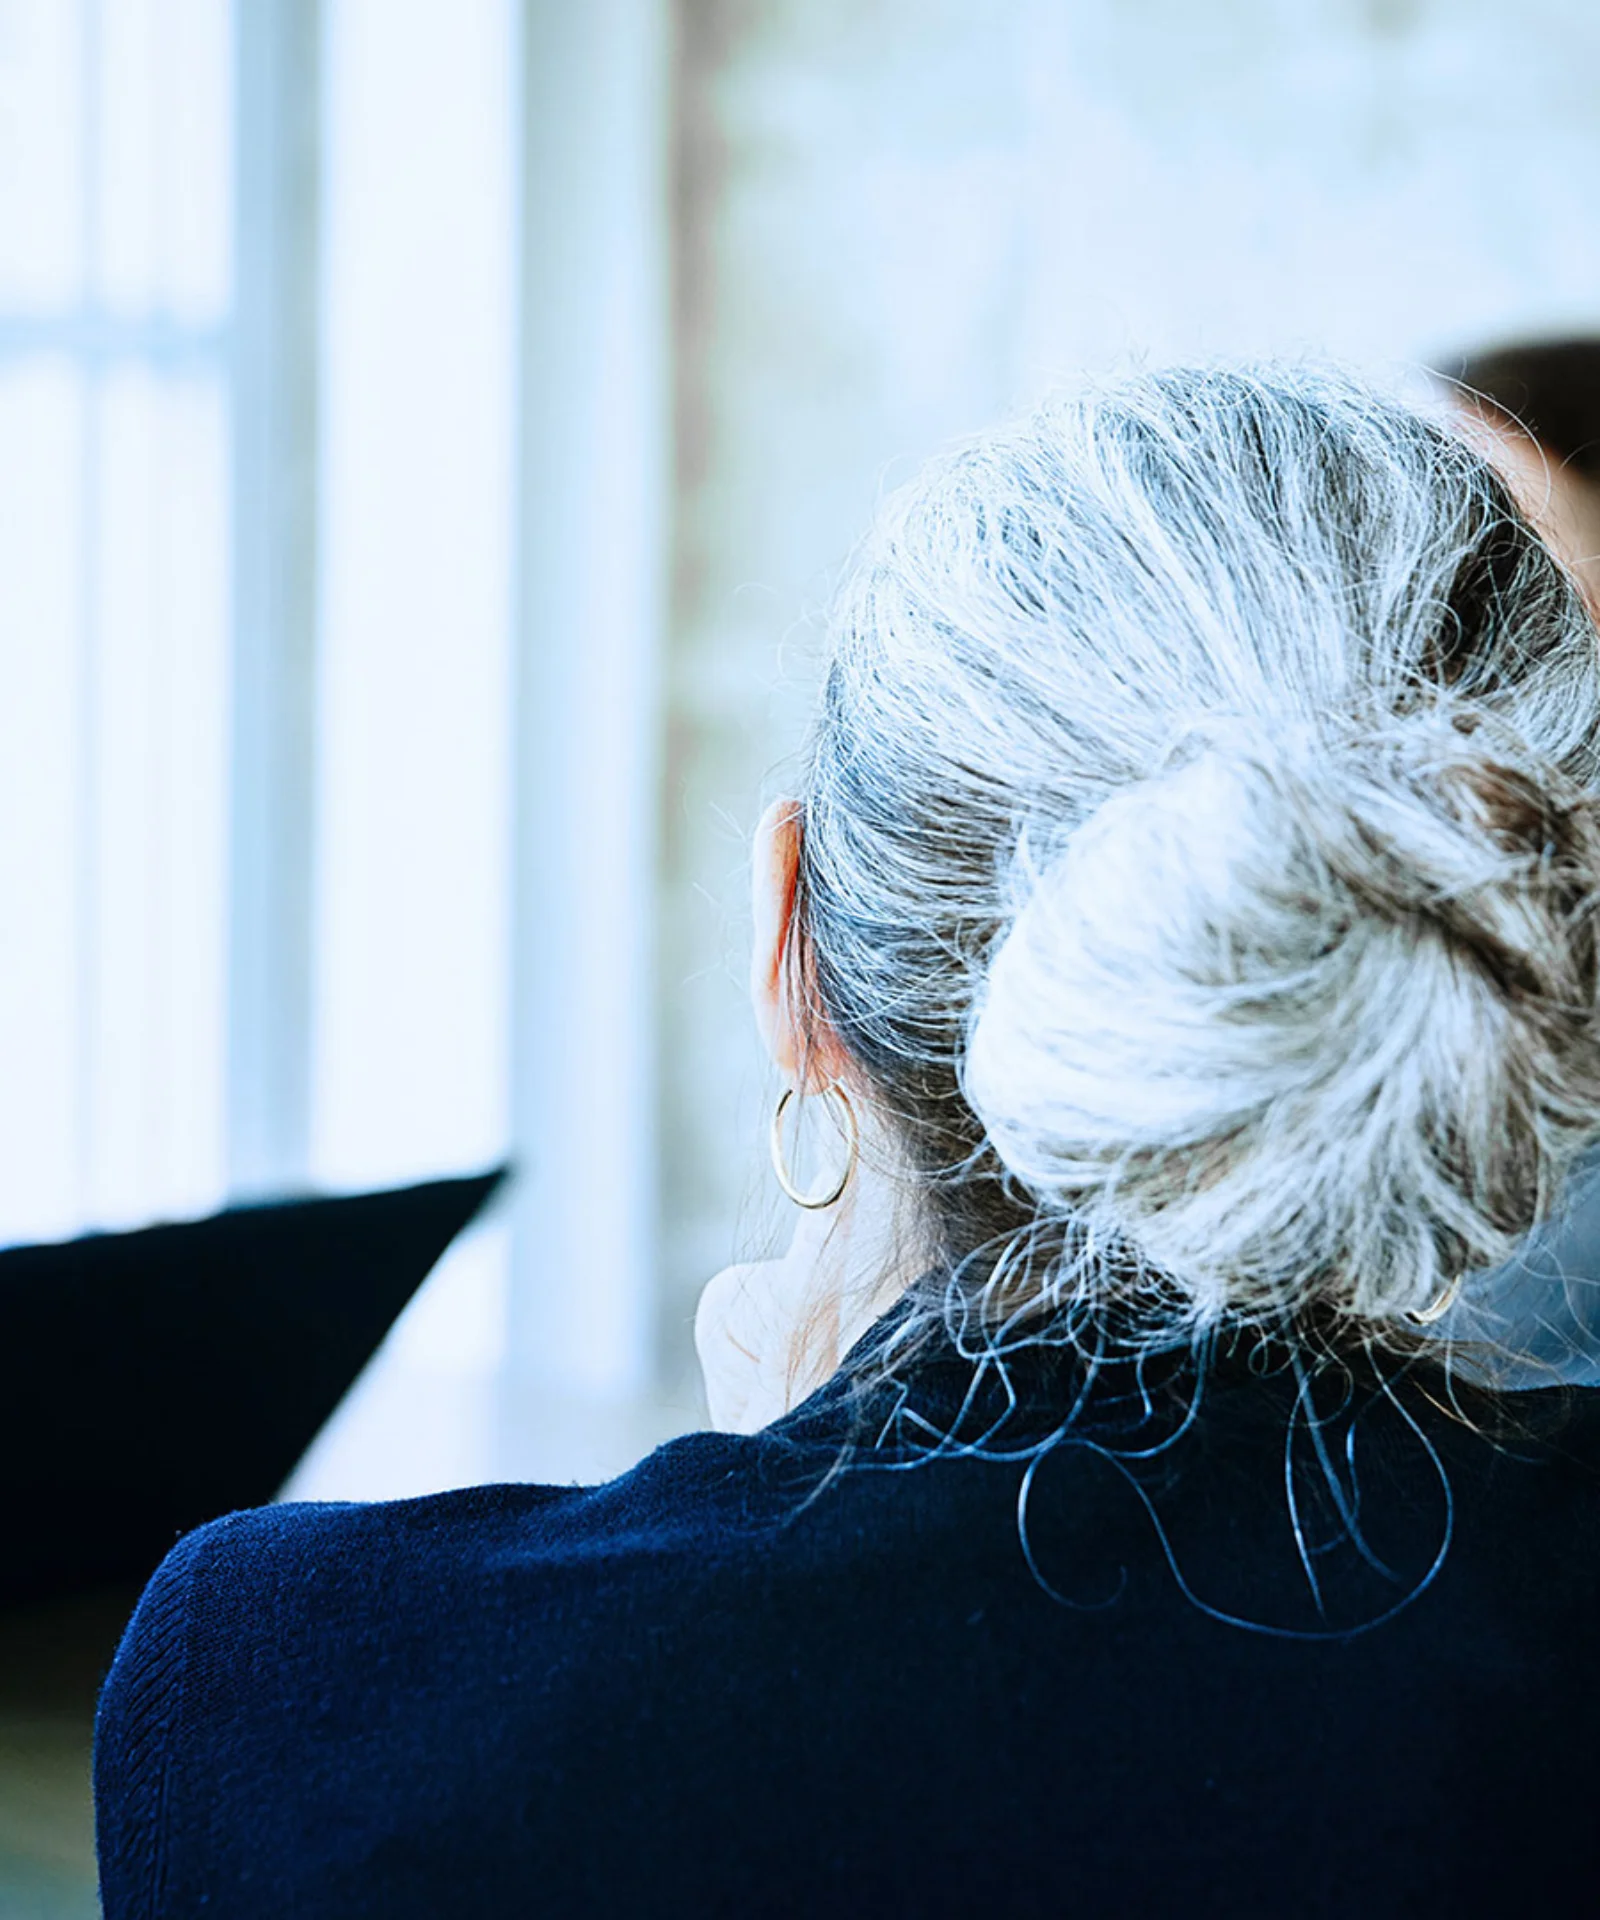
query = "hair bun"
x=1304 y=1010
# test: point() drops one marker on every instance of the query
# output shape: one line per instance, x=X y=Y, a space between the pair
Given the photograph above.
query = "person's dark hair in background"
x=1550 y=388
x=1542 y=400
x=1535 y=407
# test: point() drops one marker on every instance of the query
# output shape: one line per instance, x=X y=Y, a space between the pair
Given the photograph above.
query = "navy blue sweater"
x=1162 y=1666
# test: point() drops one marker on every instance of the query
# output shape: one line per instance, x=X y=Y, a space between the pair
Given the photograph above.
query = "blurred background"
x=428 y=432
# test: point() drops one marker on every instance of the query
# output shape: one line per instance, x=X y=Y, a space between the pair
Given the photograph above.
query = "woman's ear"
x=774 y=870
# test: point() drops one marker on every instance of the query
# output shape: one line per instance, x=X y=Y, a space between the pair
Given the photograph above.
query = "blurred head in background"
x=1540 y=402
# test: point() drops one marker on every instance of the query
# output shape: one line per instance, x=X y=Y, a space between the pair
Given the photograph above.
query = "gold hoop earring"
x=1437 y=1309
x=813 y=1202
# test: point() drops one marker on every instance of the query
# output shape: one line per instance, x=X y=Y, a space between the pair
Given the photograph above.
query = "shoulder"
x=263 y=1570
x=278 y=1571
x=257 y=1637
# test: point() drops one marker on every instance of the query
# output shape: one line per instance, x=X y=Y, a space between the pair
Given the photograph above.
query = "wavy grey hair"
x=1200 y=855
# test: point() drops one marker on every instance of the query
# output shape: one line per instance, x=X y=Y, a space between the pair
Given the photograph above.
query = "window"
x=333 y=404
x=115 y=315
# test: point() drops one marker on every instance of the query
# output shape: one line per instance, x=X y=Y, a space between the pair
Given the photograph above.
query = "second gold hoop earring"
x=846 y=1114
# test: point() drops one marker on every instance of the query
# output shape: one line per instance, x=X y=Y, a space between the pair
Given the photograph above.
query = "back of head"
x=1201 y=850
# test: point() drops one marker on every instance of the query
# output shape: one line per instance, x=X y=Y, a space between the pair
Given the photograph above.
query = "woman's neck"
x=769 y=1332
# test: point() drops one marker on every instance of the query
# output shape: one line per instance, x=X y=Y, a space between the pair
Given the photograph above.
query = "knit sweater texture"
x=1209 y=1642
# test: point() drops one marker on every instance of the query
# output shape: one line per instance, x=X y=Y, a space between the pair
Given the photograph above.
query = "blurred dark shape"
x=152 y=1380
x=1550 y=388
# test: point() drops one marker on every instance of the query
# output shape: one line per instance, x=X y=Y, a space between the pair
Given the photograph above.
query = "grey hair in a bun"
x=1201 y=853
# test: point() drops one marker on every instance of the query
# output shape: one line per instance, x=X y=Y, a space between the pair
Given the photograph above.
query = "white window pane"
x=41 y=154
x=195 y=167
x=411 y=987
x=413 y=804
x=125 y=106
x=159 y=802
x=192 y=532
x=41 y=566
x=163 y=177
